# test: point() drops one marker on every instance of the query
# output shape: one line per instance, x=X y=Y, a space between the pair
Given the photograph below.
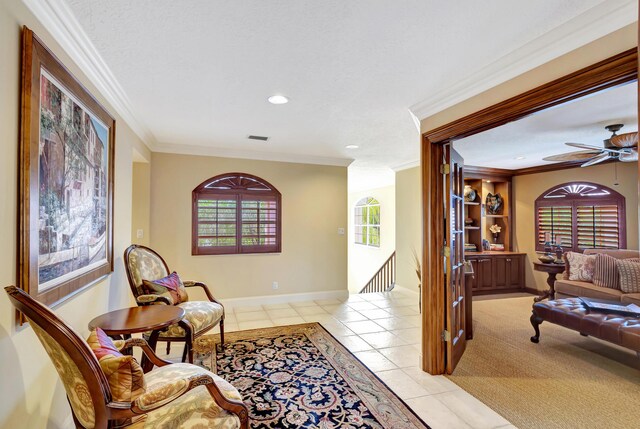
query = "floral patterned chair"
x=176 y=396
x=144 y=264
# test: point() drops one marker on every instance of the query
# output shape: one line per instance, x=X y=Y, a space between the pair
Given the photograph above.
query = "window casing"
x=236 y=213
x=367 y=222
x=582 y=215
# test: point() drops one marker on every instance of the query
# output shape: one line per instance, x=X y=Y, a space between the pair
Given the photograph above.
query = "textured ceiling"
x=544 y=133
x=198 y=73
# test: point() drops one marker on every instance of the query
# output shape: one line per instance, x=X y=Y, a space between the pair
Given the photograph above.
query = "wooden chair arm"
x=207 y=292
x=146 y=349
x=169 y=392
x=149 y=299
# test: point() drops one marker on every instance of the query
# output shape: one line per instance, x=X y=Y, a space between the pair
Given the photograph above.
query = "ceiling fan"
x=619 y=147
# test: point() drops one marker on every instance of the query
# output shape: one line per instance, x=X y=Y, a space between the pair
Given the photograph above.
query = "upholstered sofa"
x=570 y=288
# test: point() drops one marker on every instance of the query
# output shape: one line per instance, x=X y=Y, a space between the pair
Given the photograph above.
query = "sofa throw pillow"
x=171 y=284
x=581 y=266
x=606 y=272
x=629 y=275
x=125 y=375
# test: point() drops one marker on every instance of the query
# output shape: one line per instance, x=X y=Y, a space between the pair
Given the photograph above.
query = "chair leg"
x=168 y=347
x=222 y=334
x=184 y=352
x=188 y=347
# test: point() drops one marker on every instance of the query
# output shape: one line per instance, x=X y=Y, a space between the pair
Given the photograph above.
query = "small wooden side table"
x=127 y=321
x=552 y=270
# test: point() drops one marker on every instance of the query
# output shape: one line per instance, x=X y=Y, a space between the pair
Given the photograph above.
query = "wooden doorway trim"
x=614 y=71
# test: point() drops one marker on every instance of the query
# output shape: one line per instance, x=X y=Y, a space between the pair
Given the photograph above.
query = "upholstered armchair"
x=174 y=395
x=144 y=265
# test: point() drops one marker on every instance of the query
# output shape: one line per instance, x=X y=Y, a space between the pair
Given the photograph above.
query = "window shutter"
x=259 y=223
x=236 y=213
x=598 y=227
x=216 y=222
x=555 y=220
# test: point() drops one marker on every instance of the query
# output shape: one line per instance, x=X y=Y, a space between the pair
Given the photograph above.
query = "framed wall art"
x=65 y=178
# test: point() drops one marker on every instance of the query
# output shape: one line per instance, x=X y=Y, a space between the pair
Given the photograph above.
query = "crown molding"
x=597 y=22
x=184 y=149
x=405 y=165
x=59 y=20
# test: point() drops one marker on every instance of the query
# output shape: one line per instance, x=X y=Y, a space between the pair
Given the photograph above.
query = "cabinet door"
x=473 y=280
x=484 y=279
x=515 y=271
x=500 y=272
x=507 y=272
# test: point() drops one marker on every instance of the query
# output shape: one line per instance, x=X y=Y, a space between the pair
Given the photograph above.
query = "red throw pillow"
x=171 y=284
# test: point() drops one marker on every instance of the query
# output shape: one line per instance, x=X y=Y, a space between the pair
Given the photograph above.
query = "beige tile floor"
x=383 y=331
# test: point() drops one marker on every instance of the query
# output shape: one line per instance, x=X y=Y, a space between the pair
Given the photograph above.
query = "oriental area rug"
x=300 y=376
x=565 y=381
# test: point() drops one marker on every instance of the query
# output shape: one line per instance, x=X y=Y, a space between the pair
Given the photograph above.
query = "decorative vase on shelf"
x=494 y=203
x=495 y=237
x=469 y=194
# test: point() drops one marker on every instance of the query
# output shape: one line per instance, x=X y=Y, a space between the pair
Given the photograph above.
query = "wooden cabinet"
x=497 y=272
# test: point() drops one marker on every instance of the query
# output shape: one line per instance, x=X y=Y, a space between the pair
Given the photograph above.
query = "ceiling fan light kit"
x=623 y=147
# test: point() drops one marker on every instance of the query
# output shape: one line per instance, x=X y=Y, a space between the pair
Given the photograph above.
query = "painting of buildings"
x=72 y=221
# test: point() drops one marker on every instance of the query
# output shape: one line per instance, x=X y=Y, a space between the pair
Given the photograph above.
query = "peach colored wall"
x=32 y=394
x=408 y=226
x=141 y=203
x=314 y=206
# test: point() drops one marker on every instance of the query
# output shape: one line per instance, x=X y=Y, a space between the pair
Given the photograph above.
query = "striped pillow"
x=606 y=272
x=629 y=275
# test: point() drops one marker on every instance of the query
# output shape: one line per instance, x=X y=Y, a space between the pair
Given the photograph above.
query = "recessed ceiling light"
x=519 y=157
x=351 y=146
x=278 y=99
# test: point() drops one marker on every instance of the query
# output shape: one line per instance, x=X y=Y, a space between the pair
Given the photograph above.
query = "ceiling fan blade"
x=629 y=156
x=573 y=156
x=625 y=140
x=597 y=159
x=584 y=146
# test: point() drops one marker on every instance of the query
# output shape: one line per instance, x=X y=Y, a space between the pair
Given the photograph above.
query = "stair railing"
x=384 y=279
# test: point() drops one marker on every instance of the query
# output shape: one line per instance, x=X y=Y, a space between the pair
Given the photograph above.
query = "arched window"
x=367 y=222
x=235 y=213
x=581 y=215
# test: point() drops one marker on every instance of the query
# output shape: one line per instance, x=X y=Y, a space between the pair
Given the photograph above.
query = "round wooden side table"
x=552 y=271
x=127 y=321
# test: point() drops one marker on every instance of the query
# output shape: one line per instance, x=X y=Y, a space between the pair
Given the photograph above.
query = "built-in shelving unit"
x=495 y=271
x=476 y=211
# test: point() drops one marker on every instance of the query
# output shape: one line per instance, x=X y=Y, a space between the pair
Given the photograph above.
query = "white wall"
x=365 y=261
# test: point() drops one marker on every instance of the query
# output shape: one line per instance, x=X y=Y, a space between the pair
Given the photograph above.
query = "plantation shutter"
x=259 y=219
x=216 y=223
x=598 y=227
x=556 y=220
x=235 y=213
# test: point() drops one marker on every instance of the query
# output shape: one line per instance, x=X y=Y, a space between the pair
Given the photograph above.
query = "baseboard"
x=406 y=291
x=283 y=298
x=533 y=291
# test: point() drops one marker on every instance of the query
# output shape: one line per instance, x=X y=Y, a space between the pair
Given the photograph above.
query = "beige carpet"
x=565 y=381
